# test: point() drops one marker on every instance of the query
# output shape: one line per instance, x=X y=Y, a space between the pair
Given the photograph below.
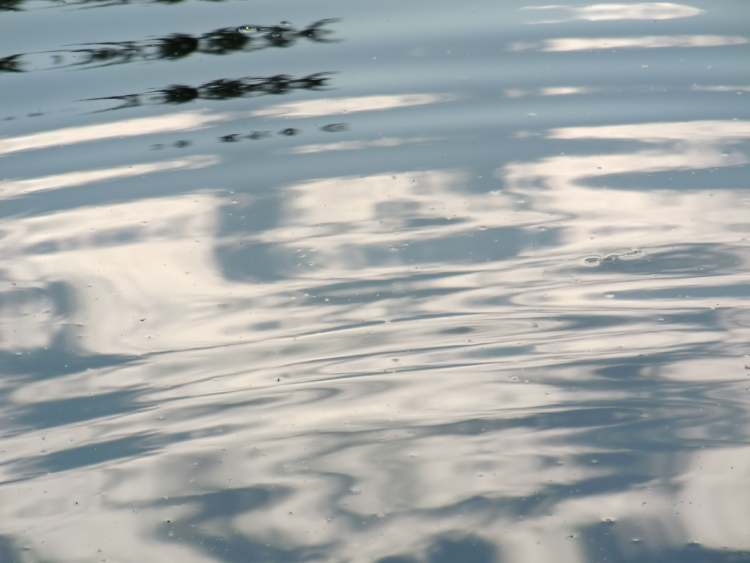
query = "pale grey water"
x=478 y=295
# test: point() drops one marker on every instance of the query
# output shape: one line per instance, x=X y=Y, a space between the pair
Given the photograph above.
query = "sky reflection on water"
x=493 y=313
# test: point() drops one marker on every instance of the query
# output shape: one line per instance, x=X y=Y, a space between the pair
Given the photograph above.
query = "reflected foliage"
x=224 y=41
x=254 y=136
x=11 y=64
x=221 y=89
x=10 y=5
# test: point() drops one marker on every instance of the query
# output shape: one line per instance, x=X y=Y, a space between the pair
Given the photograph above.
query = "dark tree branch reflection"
x=221 y=89
x=11 y=64
x=10 y=5
x=246 y=38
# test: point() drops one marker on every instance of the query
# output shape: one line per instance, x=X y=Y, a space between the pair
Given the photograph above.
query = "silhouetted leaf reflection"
x=177 y=46
x=256 y=135
x=11 y=64
x=222 y=89
x=10 y=5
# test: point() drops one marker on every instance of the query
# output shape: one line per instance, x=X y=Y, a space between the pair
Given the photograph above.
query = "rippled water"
x=394 y=282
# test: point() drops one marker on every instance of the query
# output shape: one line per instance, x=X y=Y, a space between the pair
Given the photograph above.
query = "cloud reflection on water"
x=388 y=354
x=570 y=44
x=11 y=188
x=385 y=459
x=320 y=376
x=334 y=106
x=385 y=142
x=651 y=11
x=183 y=121
x=550 y=91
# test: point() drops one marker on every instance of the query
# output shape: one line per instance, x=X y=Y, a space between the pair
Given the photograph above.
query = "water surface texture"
x=414 y=281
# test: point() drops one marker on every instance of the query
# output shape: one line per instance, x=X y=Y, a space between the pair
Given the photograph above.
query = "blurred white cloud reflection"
x=184 y=121
x=336 y=106
x=385 y=142
x=568 y=44
x=15 y=187
x=612 y=12
x=549 y=91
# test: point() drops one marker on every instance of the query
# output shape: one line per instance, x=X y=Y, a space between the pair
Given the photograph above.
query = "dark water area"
x=390 y=282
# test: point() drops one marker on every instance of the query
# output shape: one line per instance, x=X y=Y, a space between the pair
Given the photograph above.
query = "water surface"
x=397 y=282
